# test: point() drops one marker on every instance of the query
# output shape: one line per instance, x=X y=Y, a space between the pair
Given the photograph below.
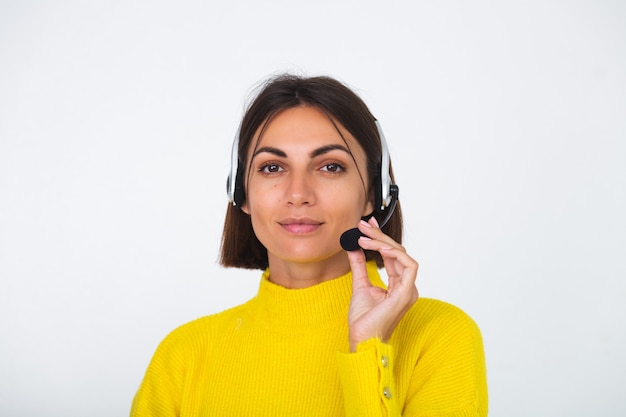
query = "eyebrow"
x=315 y=153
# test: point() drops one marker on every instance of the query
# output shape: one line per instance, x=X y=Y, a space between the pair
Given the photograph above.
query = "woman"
x=324 y=336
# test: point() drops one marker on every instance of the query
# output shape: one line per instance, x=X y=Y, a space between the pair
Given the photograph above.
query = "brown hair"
x=240 y=246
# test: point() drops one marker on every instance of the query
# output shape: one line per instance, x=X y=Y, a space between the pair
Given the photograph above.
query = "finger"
x=375 y=240
x=400 y=259
x=400 y=266
x=381 y=247
x=371 y=230
x=358 y=266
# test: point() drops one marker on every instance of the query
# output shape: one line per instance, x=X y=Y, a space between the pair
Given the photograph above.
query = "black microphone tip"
x=350 y=239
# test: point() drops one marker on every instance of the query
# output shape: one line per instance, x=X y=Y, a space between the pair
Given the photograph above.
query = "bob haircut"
x=240 y=247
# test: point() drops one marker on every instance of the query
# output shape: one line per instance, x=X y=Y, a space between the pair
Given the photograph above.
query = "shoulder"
x=429 y=310
x=199 y=334
x=430 y=319
x=186 y=346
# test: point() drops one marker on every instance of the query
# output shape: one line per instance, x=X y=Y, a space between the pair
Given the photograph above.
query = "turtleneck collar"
x=320 y=305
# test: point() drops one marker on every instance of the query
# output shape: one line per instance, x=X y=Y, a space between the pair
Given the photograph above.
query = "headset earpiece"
x=238 y=194
x=386 y=193
x=378 y=192
x=235 y=189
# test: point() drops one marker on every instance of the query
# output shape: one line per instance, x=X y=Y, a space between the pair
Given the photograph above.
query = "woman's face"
x=305 y=187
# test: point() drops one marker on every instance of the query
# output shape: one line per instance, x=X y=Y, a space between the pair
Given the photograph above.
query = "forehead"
x=302 y=127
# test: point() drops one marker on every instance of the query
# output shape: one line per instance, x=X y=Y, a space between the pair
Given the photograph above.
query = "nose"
x=300 y=189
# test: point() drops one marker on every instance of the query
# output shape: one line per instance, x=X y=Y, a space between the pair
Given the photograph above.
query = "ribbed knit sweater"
x=286 y=353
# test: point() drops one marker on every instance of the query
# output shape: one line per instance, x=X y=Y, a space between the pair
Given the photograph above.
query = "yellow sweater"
x=286 y=353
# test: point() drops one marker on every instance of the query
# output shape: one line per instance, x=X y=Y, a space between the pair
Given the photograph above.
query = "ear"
x=244 y=207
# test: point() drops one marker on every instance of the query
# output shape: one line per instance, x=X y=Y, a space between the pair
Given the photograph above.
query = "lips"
x=300 y=226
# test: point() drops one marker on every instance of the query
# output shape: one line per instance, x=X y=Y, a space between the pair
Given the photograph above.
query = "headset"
x=234 y=189
x=385 y=193
x=388 y=192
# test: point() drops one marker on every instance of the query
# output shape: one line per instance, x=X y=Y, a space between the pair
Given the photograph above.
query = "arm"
x=368 y=381
x=446 y=373
x=375 y=312
x=441 y=371
x=433 y=366
x=367 y=374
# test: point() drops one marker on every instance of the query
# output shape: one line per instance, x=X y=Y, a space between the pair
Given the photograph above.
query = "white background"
x=506 y=123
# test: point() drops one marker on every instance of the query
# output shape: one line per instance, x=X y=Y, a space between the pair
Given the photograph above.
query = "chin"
x=312 y=256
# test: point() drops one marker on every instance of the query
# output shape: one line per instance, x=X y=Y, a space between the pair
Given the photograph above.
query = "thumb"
x=360 y=279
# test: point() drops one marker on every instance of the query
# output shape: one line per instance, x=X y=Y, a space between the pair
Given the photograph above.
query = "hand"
x=375 y=312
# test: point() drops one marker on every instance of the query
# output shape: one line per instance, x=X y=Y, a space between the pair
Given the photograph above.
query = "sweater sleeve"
x=368 y=381
x=449 y=378
x=434 y=367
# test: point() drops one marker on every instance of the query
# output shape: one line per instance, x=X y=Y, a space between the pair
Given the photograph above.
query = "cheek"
x=353 y=203
x=260 y=200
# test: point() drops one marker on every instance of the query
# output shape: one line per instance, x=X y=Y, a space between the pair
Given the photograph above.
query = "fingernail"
x=374 y=221
x=364 y=223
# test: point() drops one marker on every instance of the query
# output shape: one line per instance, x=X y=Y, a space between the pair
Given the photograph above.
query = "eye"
x=270 y=168
x=333 y=167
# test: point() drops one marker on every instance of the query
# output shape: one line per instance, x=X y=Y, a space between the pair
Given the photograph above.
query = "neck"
x=295 y=275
